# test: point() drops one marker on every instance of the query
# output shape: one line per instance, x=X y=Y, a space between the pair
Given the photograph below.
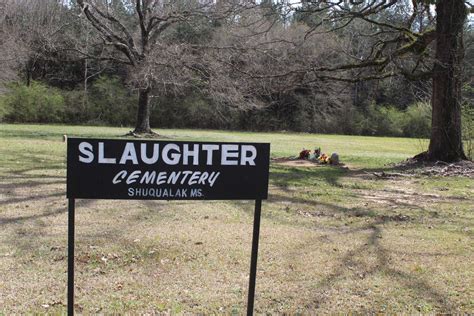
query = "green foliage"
x=467 y=121
x=379 y=121
x=198 y=32
x=111 y=103
x=3 y=108
x=191 y=111
x=106 y=102
x=416 y=121
x=34 y=103
x=76 y=109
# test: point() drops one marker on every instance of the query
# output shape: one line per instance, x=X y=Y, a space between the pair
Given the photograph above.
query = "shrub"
x=3 y=108
x=191 y=111
x=34 y=103
x=467 y=122
x=416 y=120
x=110 y=102
x=107 y=102
x=76 y=110
x=379 y=121
x=388 y=121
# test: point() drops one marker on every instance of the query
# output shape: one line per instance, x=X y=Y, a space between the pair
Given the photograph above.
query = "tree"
x=30 y=33
x=136 y=31
x=260 y=61
x=401 y=43
x=446 y=141
x=151 y=18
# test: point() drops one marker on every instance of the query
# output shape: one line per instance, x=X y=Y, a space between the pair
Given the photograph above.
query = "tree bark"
x=446 y=141
x=143 y=114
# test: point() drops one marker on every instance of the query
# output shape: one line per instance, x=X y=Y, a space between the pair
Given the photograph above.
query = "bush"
x=191 y=111
x=379 y=121
x=111 y=103
x=34 y=103
x=75 y=107
x=107 y=102
x=467 y=122
x=416 y=120
x=3 y=108
x=388 y=121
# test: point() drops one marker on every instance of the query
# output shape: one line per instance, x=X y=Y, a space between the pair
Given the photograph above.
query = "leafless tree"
x=30 y=31
x=254 y=61
x=416 y=39
x=140 y=42
x=407 y=51
x=14 y=52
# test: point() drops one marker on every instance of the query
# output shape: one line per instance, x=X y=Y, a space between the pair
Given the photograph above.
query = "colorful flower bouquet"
x=319 y=157
x=304 y=154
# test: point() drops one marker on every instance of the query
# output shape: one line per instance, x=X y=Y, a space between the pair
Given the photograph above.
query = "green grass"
x=332 y=239
x=360 y=150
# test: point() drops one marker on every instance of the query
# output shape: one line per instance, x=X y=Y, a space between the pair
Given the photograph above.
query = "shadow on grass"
x=29 y=184
x=32 y=161
x=349 y=266
x=283 y=176
x=60 y=210
x=354 y=211
x=348 y=263
x=35 y=198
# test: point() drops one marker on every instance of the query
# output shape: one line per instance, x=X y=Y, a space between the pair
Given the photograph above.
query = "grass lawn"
x=332 y=239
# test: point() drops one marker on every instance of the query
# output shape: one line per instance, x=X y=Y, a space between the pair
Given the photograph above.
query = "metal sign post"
x=253 y=259
x=70 y=256
x=163 y=170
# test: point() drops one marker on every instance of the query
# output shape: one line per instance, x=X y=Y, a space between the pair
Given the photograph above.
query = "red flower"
x=304 y=154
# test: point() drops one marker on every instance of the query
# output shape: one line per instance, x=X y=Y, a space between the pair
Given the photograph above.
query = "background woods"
x=393 y=68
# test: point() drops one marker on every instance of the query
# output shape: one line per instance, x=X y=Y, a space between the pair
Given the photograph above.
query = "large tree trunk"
x=446 y=141
x=143 y=114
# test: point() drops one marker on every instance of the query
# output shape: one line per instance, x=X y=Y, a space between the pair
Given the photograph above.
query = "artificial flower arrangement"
x=319 y=157
x=304 y=154
x=324 y=159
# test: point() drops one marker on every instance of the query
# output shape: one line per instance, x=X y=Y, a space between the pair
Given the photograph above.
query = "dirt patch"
x=394 y=218
x=151 y=135
x=294 y=162
x=439 y=168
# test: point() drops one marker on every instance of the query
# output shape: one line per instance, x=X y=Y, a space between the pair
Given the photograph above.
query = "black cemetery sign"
x=123 y=169
x=166 y=170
